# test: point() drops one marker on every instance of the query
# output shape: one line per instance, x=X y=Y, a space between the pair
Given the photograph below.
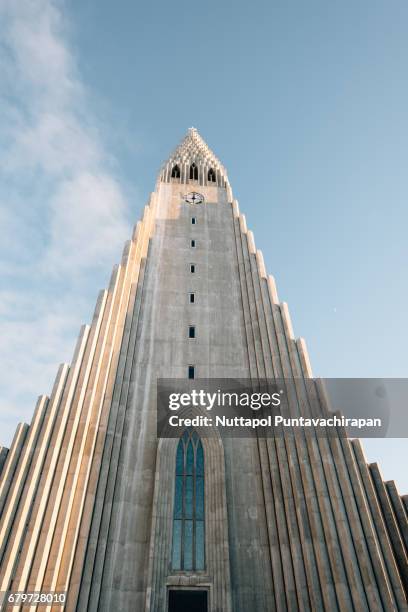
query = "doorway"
x=182 y=600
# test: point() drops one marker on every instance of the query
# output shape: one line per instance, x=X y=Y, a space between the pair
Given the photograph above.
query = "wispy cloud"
x=62 y=210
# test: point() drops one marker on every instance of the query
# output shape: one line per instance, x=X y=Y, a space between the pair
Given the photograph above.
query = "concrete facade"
x=87 y=490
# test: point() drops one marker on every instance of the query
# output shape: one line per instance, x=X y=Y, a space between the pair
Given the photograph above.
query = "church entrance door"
x=182 y=600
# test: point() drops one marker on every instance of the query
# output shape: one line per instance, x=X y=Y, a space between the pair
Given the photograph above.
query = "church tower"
x=94 y=505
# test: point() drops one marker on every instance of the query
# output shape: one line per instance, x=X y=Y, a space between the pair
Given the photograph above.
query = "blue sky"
x=304 y=103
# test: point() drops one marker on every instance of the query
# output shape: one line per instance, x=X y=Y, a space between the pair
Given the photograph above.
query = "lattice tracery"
x=193 y=150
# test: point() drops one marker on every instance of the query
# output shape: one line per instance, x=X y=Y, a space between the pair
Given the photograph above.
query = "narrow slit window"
x=191 y=298
x=193 y=243
x=191 y=372
x=192 y=268
x=191 y=331
x=193 y=220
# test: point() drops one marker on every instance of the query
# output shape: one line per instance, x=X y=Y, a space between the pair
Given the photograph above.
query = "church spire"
x=193 y=160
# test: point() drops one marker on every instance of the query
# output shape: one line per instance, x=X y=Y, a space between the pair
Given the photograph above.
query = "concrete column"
x=8 y=550
x=379 y=525
x=22 y=523
x=13 y=457
x=390 y=522
x=3 y=457
x=399 y=510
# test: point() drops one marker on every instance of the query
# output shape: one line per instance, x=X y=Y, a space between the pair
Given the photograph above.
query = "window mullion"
x=194 y=506
x=183 y=507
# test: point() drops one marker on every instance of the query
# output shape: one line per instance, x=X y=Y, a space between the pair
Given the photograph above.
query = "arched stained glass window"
x=188 y=518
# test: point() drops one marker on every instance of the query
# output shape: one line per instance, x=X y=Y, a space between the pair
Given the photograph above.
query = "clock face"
x=194 y=198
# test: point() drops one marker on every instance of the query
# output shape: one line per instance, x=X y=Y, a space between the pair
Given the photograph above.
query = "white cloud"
x=55 y=143
x=88 y=214
x=34 y=32
x=62 y=208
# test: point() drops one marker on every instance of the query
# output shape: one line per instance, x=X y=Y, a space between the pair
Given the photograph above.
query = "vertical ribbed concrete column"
x=3 y=457
x=13 y=457
x=42 y=501
x=8 y=544
x=22 y=520
x=399 y=510
x=378 y=522
x=391 y=523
